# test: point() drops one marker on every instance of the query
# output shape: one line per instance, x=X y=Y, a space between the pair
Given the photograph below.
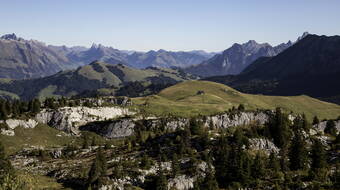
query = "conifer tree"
x=258 y=166
x=330 y=127
x=316 y=120
x=273 y=163
x=279 y=128
x=298 y=154
x=318 y=156
x=3 y=111
x=161 y=183
x=6 y=168
x=241 y=107
x=175 y=167
x=98 y=169
x=209 y=182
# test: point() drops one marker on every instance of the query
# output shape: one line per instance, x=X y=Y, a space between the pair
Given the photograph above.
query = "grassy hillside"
x=90 y=78
x=183 y=99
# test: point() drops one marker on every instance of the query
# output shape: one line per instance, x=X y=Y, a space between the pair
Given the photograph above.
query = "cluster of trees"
x=15 y=108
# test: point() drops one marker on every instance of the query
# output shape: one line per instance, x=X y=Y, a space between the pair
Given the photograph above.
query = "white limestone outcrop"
x=232 y=120
x=69 y=119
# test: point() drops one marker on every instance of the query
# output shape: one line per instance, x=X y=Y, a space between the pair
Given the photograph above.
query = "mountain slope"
x=24 y=59
x=97 y=52
x=311 y=67
x=204 y=97
x=166 y=59
x=93 y=77
x=234 y=59
x=20 y=59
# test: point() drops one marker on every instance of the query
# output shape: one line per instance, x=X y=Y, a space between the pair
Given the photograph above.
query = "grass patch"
x=184 y=100
x=42 y=135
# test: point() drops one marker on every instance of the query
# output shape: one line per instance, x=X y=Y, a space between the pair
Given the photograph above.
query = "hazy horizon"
x=173 y=25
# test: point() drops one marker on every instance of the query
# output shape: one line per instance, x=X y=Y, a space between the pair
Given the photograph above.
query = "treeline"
x=16 y=108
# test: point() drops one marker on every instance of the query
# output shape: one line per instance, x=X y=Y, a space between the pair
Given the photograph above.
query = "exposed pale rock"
x=181 y=182
x=232 y=120
x=69 y=119
x=322 y=125
x=13 y=123
x=263 y=144
x=9 y=132
x=175 y=124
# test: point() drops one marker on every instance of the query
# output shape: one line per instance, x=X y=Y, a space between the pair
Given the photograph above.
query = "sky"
x=177 y=25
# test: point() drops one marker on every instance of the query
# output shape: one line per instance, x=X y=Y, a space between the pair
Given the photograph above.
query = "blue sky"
x=211 y=25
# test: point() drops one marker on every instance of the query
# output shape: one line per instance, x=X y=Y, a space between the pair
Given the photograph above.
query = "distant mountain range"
x=22 y=59
x=94 y=79
x=236 y=58
x=311 y=66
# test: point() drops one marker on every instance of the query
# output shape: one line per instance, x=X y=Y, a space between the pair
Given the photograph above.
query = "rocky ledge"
x=69 y=119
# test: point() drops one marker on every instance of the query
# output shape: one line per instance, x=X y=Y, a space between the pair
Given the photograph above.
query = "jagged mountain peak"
x=234 y=59
x=303 y=36
x=9 y=37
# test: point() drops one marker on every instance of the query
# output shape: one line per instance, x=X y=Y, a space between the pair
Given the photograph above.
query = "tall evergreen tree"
x=273 y=163
x=175 y=167
x=298 y=154
x=279 y=128
x=330 y=127
x=318 y=155
x=161 y=182
x=258 y=167
x=3 y=111
x=209 y=182
x=316 y=120
x=6 y=168
x=98 y=169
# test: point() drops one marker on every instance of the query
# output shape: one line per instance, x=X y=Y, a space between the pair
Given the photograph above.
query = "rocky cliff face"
x=102 y=120
x=125 y=127
x=111 y=129
x=69 y=119
x=232 y=120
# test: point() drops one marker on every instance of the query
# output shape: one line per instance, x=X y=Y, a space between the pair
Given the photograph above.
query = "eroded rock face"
x=232 y=120
x=69 y=119
x=322 y=125
x=114 y=129
x=263 y=144
x=125 y=127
